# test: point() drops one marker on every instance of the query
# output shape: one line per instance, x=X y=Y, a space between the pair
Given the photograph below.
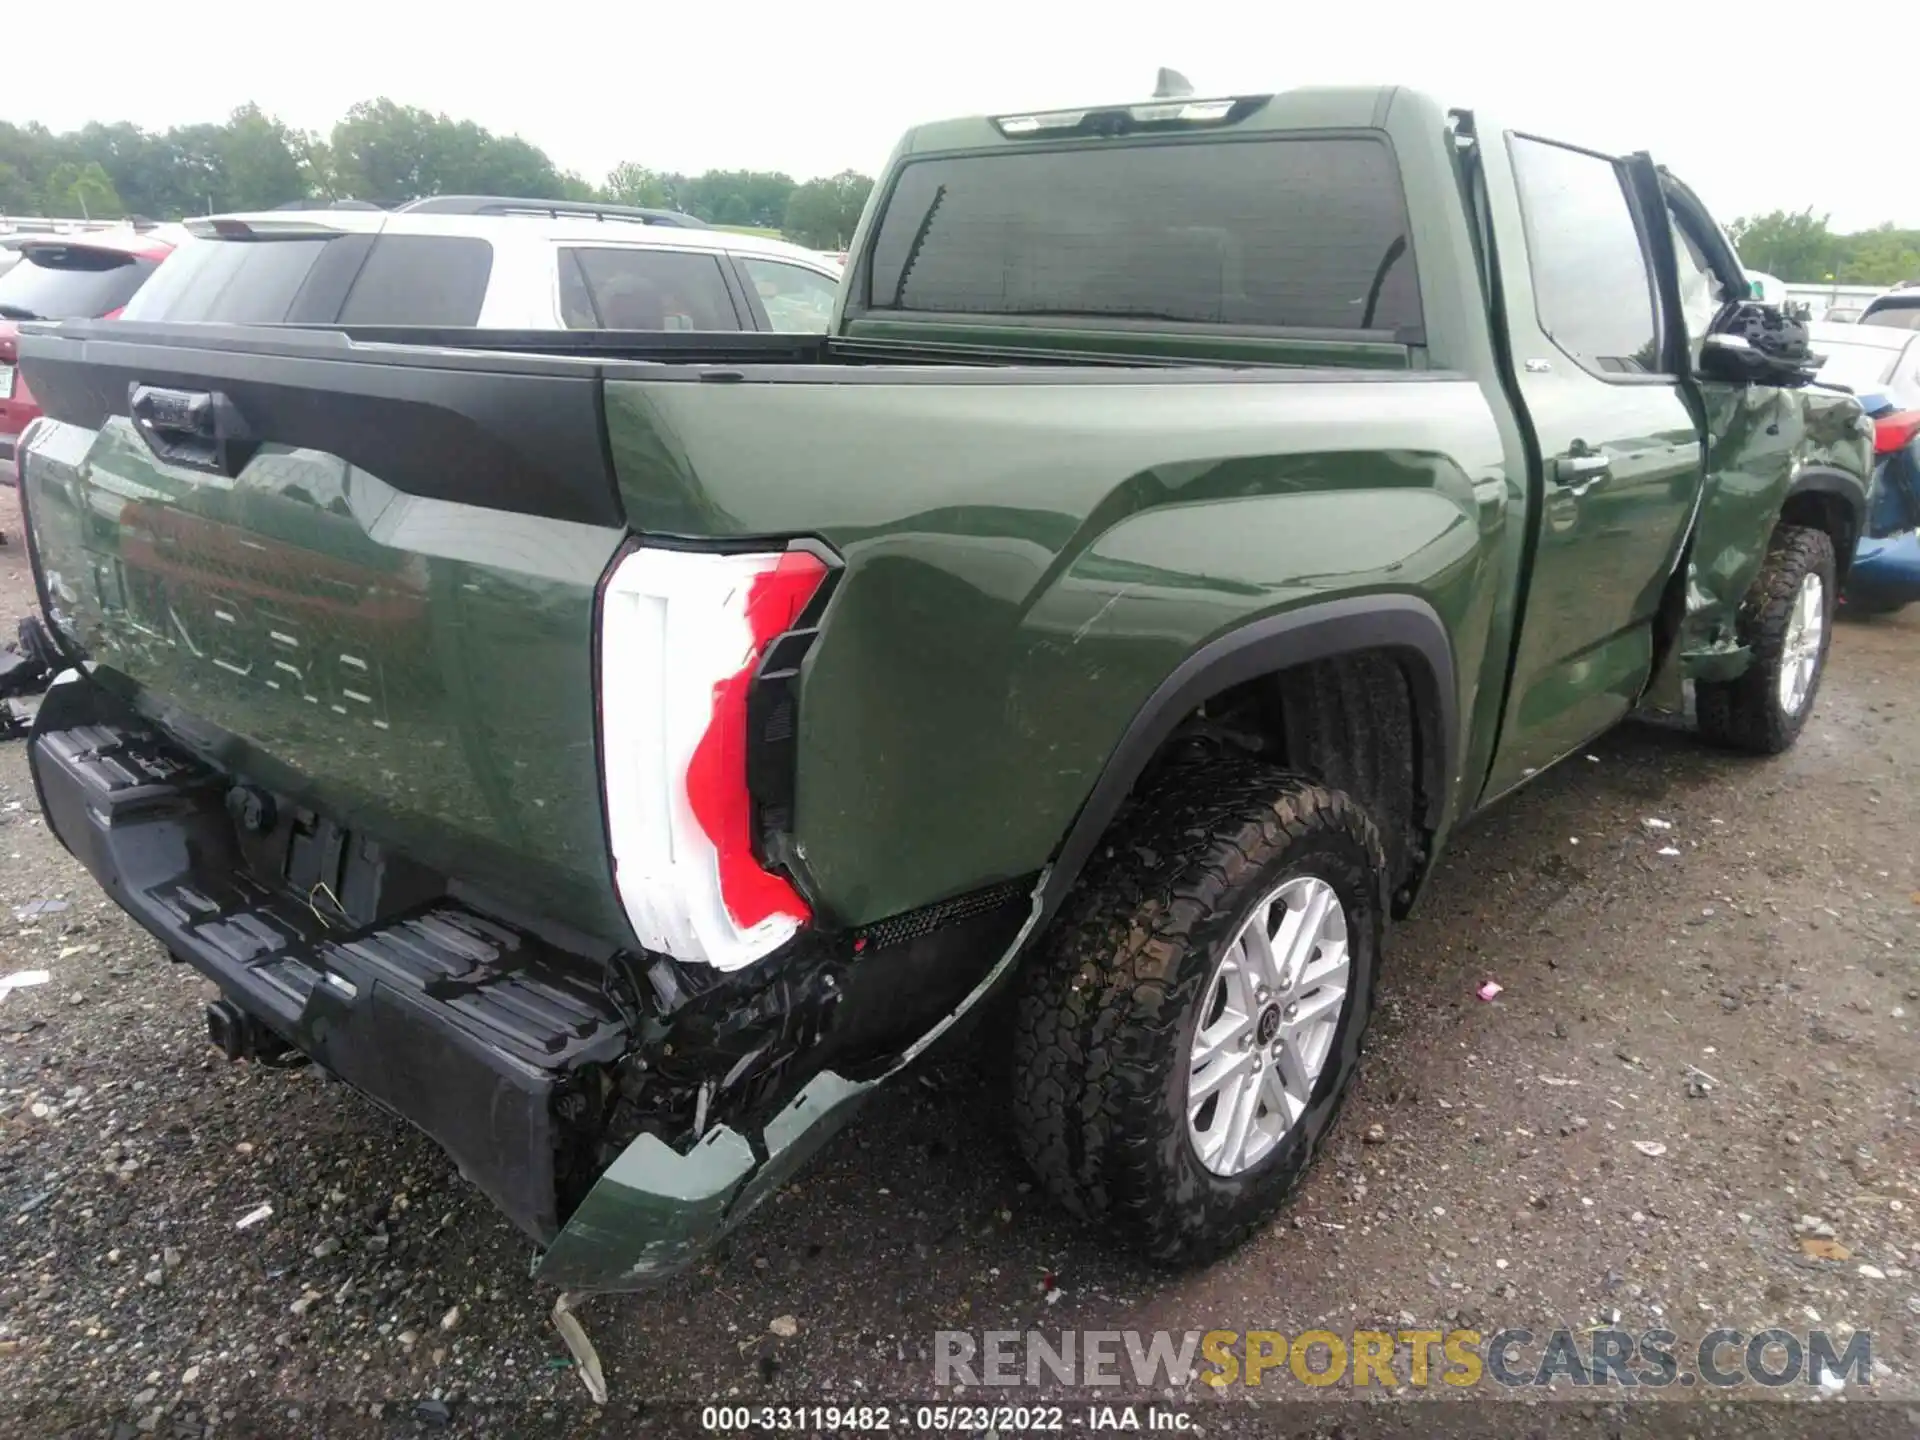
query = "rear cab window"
x=70 y=282
x=349 y=277
x=1283 y=232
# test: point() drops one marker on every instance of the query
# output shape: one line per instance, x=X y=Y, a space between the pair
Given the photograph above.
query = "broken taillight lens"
x=681 y=633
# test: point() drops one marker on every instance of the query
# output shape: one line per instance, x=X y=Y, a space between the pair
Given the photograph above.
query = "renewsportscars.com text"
x=1722 y=1358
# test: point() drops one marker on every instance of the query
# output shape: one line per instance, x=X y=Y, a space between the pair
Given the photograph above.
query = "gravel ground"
x=1744 y=1007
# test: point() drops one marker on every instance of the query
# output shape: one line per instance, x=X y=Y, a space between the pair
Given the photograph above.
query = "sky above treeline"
x=1754 y=117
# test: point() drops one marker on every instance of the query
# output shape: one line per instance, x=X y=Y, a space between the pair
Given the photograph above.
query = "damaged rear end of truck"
x=616 y=754
x=464 y=715
x=392 y=728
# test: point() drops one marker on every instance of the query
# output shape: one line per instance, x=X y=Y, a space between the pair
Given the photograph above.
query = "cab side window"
x=1591 y=278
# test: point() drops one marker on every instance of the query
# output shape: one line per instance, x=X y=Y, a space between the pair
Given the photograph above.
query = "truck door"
x=1619 y=447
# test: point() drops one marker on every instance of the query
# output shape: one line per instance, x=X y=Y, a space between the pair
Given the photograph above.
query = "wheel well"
x=1357 y=692
x=1350 y=722
x=1825 y=510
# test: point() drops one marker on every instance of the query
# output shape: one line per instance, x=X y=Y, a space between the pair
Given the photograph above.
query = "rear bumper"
x=466 y=1027
x=485 y=1036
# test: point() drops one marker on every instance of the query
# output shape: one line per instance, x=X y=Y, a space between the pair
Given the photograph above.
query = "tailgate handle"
x=194 y=429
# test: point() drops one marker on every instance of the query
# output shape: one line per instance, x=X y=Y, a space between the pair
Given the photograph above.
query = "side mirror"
x=1755 y=344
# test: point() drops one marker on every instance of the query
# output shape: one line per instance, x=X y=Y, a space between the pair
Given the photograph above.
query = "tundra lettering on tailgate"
x=277 y=620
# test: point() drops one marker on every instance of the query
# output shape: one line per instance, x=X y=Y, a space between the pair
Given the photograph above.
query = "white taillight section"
x=680 y=634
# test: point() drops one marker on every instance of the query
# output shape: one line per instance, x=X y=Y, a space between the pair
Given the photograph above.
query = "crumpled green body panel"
x=1026 y=562
x=1759 y=441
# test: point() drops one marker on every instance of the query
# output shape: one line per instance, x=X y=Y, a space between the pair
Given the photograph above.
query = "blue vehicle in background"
x=1881 y=365
x=1885 y=575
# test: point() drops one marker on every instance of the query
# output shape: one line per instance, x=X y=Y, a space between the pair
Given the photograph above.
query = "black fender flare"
x=1404 y=624
x=1849 y=490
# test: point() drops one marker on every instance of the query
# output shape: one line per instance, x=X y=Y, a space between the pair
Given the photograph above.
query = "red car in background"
x=63 y=277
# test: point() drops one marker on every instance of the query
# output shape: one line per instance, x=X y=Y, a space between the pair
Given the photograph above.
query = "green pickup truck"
x=617 y=754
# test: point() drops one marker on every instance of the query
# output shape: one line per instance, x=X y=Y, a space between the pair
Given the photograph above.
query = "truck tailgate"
x=368 y=588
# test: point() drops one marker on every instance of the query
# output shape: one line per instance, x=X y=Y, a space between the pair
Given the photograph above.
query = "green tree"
x=379 y=152
x=1794 y=245
x=630 y=183
x=316 y=169
x=388 y=153
x=131 y=158
x=738 y=197
x=194 y=164
x=16 y=193
x=261 y=160
x=822 y=214
x=83 y=191
x=1881 y=256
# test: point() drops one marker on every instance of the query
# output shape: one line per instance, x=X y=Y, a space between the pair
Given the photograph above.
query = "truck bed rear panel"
x=414 y=666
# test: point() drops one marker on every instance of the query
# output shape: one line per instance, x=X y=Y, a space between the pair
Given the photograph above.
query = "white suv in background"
x=456 y=261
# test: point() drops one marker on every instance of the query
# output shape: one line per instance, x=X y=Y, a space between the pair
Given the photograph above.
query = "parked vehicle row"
x=451 y=261
x=1898 y=308
x=621 y=753
x=63 y=277
x=1880 y=364
x=462 y=262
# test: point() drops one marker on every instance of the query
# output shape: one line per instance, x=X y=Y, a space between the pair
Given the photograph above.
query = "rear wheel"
x=1786 y=623
x=1186 y=1036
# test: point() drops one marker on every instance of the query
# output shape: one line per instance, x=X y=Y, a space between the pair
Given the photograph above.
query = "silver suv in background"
x=497 y=263
x=1898 y=308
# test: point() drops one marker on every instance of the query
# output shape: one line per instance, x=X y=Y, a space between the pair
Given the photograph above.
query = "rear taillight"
x=681 y=633
x=1896 y=431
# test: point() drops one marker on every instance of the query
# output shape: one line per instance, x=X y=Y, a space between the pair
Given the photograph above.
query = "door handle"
x=190 y=428
x=1582 y=472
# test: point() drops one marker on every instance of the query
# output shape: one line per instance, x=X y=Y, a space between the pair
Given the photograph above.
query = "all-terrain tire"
x=1106 y=1010
x=1748 y=713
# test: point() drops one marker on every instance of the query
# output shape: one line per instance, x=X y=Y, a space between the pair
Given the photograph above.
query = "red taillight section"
x=1896 y=431
x=717 y=773
x=682 y=634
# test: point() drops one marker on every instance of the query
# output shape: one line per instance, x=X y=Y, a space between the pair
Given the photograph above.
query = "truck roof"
x=1305 y=108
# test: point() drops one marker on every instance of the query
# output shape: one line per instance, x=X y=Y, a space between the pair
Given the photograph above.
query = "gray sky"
x=815 y=86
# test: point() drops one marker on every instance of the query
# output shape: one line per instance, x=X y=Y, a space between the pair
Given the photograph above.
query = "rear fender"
x=1403 y=625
